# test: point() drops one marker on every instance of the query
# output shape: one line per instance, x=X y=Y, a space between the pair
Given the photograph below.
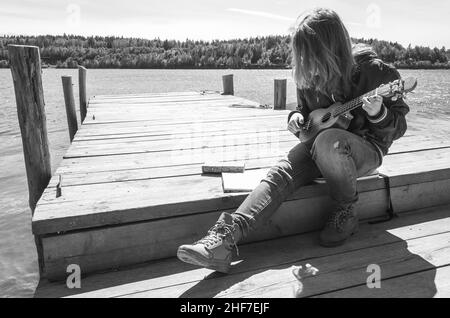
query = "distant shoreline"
x=270 y=52
x=437 y=68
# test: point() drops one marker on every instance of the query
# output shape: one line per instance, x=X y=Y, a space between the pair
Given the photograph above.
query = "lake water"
x=430 y=113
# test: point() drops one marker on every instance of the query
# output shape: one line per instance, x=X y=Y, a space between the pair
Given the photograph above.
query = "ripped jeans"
x=337 y=155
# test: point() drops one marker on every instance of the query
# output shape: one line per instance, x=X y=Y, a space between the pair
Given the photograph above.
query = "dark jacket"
x=381 y=130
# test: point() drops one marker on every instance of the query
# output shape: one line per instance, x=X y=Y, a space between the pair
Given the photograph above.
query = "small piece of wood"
x=26 y=71
x=280 y=91
x=228 y=84
x=82 y=75
x=222 y=167
x=70 y=106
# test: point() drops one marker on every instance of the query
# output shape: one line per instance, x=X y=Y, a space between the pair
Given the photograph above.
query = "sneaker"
x=341 y=225
x=215 y=250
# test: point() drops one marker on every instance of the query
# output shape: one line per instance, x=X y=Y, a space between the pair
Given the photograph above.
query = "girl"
x=326 y=70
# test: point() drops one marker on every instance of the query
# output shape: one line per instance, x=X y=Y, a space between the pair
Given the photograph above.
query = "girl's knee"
x=329 y=142
x=280 y=175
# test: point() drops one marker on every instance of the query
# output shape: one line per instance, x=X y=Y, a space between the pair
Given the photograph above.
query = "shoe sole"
x=193 y=258
x=340 y=243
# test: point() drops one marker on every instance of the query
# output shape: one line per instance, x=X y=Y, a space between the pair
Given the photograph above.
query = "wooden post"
x=228 y=85
x=70 y=106
x=280 y=90
x=82 y=74
x=26 y=71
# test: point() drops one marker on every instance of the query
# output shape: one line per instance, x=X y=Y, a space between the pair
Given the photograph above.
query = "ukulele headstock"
x=399 y=88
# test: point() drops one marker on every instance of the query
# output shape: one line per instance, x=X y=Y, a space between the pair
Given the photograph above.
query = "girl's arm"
x=390 y=124
x=302 y=108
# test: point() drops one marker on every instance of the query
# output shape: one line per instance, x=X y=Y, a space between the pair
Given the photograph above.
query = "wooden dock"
x=132 y=191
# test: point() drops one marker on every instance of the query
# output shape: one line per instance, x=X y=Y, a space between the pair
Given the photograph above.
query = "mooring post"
x=280 y=90
x=82 y=75
x=228 y=84
x=70 y=106
x=26 y=71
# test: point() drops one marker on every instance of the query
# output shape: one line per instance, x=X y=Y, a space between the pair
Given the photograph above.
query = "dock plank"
x=142 y=196
x=114 y=247
x=395 y=164
x=335 y=272
x=433 y=283
x=132 y=152
x=288 y=251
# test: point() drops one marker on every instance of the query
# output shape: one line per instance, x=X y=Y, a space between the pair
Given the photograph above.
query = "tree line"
x=69 y=51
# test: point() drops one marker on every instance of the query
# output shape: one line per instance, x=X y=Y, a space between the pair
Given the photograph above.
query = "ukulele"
x=338 y=115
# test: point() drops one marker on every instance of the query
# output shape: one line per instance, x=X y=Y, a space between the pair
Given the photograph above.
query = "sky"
x=415 y=22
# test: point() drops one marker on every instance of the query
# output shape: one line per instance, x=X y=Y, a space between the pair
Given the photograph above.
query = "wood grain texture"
x=69 y=99
x=280 y=91
x=134 y=189
x=82 y=86
x=124 y=245
x=192 y=282
x=228 y=84
x=26 y=71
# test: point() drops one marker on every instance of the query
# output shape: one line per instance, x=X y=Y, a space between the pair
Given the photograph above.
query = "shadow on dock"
x=411 y=253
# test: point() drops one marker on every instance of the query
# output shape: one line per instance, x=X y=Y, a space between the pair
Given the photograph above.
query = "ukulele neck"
x=353 y=104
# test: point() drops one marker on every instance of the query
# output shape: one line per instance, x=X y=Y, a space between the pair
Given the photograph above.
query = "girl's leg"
x=342 y=157
x=295 y=170
x=214 y=251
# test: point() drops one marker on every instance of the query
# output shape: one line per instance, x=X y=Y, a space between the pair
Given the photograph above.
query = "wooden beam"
x=26 y=71
x=280 y=91
x=292 y=249
x=82 y=74
x=221 y=167
x=228 y=85
x=69 y=99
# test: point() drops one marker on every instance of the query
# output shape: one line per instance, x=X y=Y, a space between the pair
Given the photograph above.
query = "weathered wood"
x=221 y=167
x=168 y=101
x=186 y=117
x=114 y=210
x=136 y=243
x=413 y=162
x=432 y=283
x=199 y=194
x=280 y=91
x=69 y=99
x=26 y=73
x=335 y=272
x=294 y=249
x=245 y=150
x=228 y=84
x=82 y=76
x=175 y=144
x=145 y=95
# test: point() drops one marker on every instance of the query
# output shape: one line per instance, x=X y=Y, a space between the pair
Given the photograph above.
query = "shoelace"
x=214 y=236
x=339 y=218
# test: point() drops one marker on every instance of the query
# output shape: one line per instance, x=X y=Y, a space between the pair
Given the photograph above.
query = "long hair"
x=323 y=59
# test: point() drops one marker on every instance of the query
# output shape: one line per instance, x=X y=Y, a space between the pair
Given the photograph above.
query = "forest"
x=69 y=51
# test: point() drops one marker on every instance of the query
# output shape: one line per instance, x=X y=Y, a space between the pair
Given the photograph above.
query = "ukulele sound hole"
x=326 y=118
